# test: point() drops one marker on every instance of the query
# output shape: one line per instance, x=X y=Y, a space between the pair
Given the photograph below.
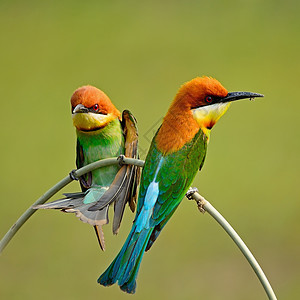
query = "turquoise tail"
x=125 y=266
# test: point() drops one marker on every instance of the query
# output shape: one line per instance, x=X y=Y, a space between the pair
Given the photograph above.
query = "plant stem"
x=56 y=188
x=204 y=204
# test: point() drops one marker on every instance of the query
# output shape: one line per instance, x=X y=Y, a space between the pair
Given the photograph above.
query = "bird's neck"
x=178 y=128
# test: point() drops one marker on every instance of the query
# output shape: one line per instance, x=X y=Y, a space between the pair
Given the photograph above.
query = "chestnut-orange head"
x=206 y=99
x=92 y=109
x=199 y=103
x=194 y=93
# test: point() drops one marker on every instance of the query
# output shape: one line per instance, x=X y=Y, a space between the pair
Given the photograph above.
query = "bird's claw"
x=121 y=159
x=191 y=191
x=199 y=199
x=73 y=175
x=200 y=206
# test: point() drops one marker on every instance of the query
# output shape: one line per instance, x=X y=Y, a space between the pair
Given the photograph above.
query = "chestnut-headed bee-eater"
x=176 y=153
x=101 y=133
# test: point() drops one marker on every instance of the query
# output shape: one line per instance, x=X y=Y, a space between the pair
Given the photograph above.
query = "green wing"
x=174 y=173
x=131 y=179
x=124 y=187
x=178 y=176
x=85 y=180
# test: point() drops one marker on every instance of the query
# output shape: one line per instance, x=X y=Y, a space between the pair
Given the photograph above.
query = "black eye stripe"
x=208 y=100
x=98 y=111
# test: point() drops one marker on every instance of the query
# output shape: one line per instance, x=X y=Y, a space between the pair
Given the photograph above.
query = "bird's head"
x=199 y=103
x=207 y=100
x=92 y=109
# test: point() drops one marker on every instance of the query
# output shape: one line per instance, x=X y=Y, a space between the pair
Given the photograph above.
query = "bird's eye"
x=96 y=107
x=208 y=99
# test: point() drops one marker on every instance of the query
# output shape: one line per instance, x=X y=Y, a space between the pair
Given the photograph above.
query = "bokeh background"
x=140 y=53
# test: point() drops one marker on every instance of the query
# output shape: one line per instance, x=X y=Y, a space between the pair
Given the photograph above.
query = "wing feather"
x=124 y=187
x=174 y=176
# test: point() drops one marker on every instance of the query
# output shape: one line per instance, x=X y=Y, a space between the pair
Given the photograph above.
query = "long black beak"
x=239 y=95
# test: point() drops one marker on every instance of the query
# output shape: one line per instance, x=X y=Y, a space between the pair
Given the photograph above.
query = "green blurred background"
x=140 y=53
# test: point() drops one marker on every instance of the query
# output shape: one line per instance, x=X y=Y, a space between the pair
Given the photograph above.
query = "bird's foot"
x=121 y=159
x=200 y=206
x=73 y=175
x=191 y=191
x=198 y=198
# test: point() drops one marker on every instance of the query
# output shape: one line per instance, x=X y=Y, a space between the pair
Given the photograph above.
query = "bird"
x=176 y=153
x=101 y=133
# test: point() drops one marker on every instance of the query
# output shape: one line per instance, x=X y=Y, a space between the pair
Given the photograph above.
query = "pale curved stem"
x=203 y=204
x=56 y=188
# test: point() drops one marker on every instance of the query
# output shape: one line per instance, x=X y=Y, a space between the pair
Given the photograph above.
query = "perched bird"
x=101 y=133
x=176 y=153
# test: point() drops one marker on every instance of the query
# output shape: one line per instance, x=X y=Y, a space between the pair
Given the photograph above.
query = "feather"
x=74 y=203
x=125 y=266
x=100 y=236
x=111 y=184
x=161 y=191
x=124 y=187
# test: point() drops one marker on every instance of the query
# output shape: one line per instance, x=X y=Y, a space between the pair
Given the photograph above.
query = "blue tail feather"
x=125 y=266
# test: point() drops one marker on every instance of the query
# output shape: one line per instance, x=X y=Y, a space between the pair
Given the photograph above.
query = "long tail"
x=125 y=266
x=75 y=203
x=79 y=204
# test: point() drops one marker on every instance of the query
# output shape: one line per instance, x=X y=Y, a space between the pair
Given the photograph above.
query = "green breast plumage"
x=104 y=143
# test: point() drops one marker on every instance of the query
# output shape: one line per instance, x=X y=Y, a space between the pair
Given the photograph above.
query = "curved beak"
x=239 y=95
x=80 y=109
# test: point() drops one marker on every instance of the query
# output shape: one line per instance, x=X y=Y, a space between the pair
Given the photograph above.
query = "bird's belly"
x=103 y=176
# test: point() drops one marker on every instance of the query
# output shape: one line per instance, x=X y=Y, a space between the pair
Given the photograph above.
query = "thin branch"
x=204 y=205
x=56 y=188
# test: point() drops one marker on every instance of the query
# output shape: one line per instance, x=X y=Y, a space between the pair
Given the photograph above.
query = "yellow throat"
x=208 y=116
x=90 y=121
